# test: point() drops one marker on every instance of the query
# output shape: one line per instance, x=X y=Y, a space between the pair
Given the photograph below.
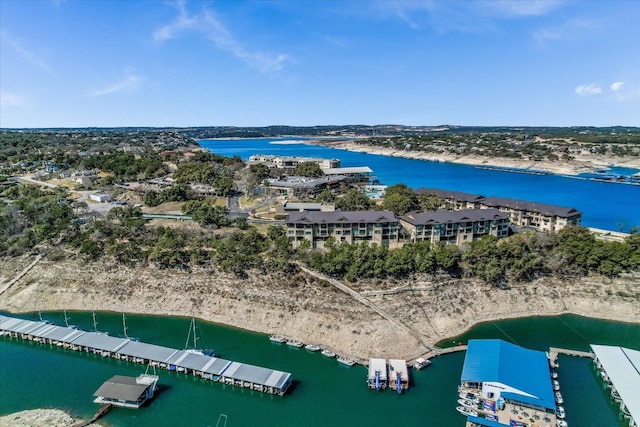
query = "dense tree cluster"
x=571 y=252
x=309 y=169
x=30 y=215
x=126 y=166
x=175 y=193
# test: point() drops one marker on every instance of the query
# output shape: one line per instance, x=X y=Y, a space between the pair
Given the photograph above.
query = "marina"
x=199 y=365
x=433 y=390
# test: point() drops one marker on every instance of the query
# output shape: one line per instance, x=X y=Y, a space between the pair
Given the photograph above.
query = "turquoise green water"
x=325 y=392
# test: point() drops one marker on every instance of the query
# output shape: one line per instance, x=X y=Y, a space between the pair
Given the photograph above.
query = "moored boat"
x=559 y=399
x=421 y=363
x=346 y=361
x=466 y=411
x=468 y=403
x=556 y=385
x=276 y=338
x=328 y=353
x=560 y=412
x=311 y=347
x=292 y=343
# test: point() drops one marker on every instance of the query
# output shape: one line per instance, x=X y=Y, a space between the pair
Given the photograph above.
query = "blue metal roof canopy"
x=517 y=367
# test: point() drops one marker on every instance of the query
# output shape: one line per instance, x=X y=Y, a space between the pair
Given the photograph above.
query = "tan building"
x=455 y=227
x=289 y=163
x=380 y=227
x=541 y=216
x=521 y=213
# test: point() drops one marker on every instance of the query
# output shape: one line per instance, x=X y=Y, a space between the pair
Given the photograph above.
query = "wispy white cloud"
x=128 y=84
x=588 y=90
x=8 y=99
x=209 y=25
x=616 y=86
x=23 y=52
x=624 y=91
x=464 y=15
x=570 y=30
x=520 y=8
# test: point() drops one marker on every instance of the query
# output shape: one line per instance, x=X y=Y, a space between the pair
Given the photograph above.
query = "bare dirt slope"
x=309 y=309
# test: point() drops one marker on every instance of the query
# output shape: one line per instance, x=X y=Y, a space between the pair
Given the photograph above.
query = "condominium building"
x=455 y=227
x=380 y=227
x=521 y=213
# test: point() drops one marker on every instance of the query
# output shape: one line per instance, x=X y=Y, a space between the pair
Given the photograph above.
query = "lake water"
x=325 y=393
x=606 y=205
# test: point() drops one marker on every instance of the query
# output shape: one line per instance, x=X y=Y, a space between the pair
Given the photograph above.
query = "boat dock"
x=212 y=368
x=554 y=352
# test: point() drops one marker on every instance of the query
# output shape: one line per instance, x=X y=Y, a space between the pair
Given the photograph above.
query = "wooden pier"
x=101 y=413
x=554 y=352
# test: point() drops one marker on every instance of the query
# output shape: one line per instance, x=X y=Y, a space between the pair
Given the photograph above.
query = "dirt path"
x=392 y=319
x=21 y=274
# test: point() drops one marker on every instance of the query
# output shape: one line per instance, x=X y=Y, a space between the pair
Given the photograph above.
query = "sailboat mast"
x=66 y=319
x=124 y=325
x=95 y=324
x=195 y=337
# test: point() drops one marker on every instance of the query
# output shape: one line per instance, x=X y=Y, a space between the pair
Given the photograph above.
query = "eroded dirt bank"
x=309 y=309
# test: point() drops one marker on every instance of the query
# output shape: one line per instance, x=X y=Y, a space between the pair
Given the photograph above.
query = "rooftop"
x=341 y=217
x=622 y=366
x=120 y=387
x=543 y=208
x=526 y=371
x=442 y=216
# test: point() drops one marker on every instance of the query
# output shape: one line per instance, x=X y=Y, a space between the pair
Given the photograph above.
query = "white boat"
x=560 y=412
x=311 y=347
x=276 y=338
x=470 y=397
x=466 y=411
x=195 y=349
x=468 y=403
x=292 y=343
x=559 y=399
x=562 y=423
x=556 y=385
x=328 y=353
x=421 y=363
x=346 y=361
x=554 y=374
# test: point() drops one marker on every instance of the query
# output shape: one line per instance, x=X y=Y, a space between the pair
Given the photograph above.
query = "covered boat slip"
x=377 y=377
x=622 y=366
x=257 y=378
x=125 y=391
x=398 y=374
x=229 y=372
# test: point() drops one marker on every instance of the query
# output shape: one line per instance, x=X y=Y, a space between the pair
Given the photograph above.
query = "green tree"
x=309 y=169
x=400 y=199
x=354 y=200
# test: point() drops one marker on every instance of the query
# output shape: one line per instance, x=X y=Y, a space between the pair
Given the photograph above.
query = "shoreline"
x=311 y=311
x=581 y=164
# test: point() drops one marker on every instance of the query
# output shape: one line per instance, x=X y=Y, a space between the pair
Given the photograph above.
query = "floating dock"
x=398 y=375
x=377 y=378
x=212 y=368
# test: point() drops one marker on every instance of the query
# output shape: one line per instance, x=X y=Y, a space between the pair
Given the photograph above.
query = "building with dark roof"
x=507 y=385
x=381 y=227
x=457 y=199
x=130 y=392
x=355 y=175
x=521 y=213
x=455 y=227
x=301 y=186
x=541 y=216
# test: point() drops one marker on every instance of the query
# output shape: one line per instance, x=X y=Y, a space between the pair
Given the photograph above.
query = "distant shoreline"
x=573 y=167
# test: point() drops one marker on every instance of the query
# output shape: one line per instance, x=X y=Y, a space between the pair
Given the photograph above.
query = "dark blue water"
x=606 y=205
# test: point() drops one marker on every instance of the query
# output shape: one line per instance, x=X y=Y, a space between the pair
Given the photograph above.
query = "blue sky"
x=303 y=62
